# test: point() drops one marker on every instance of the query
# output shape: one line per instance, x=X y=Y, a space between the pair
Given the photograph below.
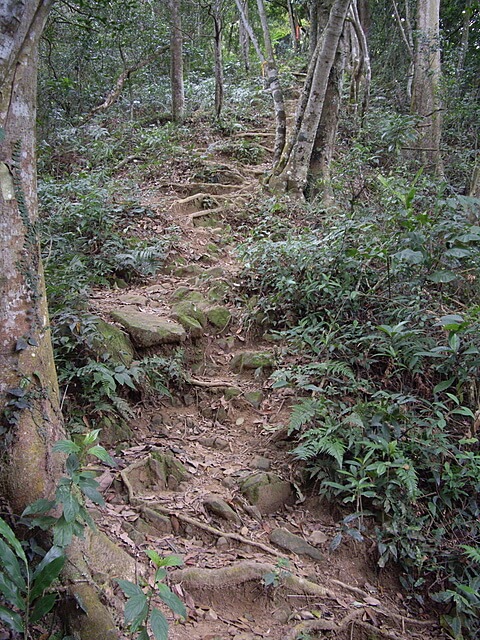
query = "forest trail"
x=255 y=547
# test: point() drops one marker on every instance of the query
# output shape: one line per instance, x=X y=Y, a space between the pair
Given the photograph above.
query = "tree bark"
x=176 y=69
x=271 y=73
x=29 y=398
x=243 y=39
x=426 y=82
x=291 y=173
x=217 y=50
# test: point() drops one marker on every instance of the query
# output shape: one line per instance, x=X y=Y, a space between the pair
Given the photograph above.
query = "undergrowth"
x=379 y=309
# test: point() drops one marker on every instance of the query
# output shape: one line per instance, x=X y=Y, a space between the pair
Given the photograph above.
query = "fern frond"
x=303 y=413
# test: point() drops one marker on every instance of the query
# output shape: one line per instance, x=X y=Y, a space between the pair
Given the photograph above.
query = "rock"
x=296 y=544
x=187 y=294
x=187 y=270
x=261 y=463
x=267 y=491
x=113 y=431
x=148 y=330
x=219 y=317
x=222 y=543
x=232 y=392
x=213 y=272
x=255 y=398
x=191 y=309
x=215 y=443
x=113 y=341
x=218 y=290
x=317 y=538
x=156 y=473
x=133 y=298
x=252 y=360
x=192 y=326
x=159 y=522
x=219 y=507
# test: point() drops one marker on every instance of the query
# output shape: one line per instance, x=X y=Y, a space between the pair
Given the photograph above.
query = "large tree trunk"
x=217 y=44
x=28 y=384
x=29 y=398
x=176 y=53
x=426 y=81
x=291 y=173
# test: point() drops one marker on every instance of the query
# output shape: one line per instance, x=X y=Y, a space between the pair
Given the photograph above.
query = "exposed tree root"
x=254 y=134
x=200 y=525
x=308 y=626
x=209 y=383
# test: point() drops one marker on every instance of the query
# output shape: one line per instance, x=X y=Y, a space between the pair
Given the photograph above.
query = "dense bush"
x=380 y=309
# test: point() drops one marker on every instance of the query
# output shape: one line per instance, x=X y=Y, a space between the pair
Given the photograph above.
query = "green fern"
x=472 y=553
x=303 y=413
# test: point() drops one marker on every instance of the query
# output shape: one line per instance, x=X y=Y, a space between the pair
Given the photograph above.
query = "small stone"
x=229 y=482
x=261 y=463
x=296 y=544
x=222 y=543
x=219 y=507
x=255 y=398
x=232 y=392
x=282 y=614
x=317 y=538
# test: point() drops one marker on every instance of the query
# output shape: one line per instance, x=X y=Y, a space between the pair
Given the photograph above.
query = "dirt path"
x=226 y=427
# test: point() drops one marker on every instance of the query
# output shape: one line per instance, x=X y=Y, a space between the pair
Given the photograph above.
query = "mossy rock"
x=157 y=472
x=187 y=270
x=148 y=330
x=191 y=326
x=113 y=341
x=191 y=309
x=252 y=360
x=255 y=398
x=219 y=317
x=267 y=491
x=114 y=431
x=185 y=294
x=212 y=272
x=232 y=392
x=218 y=290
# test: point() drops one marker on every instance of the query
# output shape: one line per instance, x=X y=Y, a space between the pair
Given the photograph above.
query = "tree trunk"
x=176 y=69
x=291 y=172
x=272 y=80
x=426 y=81
x=29 y=397
x=243 y=39
x=218 y=28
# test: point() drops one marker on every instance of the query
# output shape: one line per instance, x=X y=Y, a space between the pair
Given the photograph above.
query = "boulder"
x=219 y=317
x=267 y=491
x=148 y=330
x=113 y=341
x=252 y=360
x=156 y=473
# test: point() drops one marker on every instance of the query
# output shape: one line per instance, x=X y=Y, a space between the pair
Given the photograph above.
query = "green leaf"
x=52 y=554
x=12 y=540
x=129 y=588
x=464 y=411
x=171 y=600
x=11 y=592
x=89 y=487
x=136 y=610
x=38 y=507
x=91 y=437
x=103 y=455
x=410 y=256
x=167 y=561
x=9 y=562
x=143 y=635
x=62 y=533
x=72 y=464
x=42 y=607
x=160 y=574
x=66 y=446
x=441 y=386
x=46 y=576
x=13 y=620
x=159 y=625
x=69 y=501
x=443 y=276
x=457 y=252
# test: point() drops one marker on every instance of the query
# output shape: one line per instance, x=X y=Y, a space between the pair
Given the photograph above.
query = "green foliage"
x=280 y=573
x=24 y=589
x=380 y=311
x=140 y=614
x=72 y=490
